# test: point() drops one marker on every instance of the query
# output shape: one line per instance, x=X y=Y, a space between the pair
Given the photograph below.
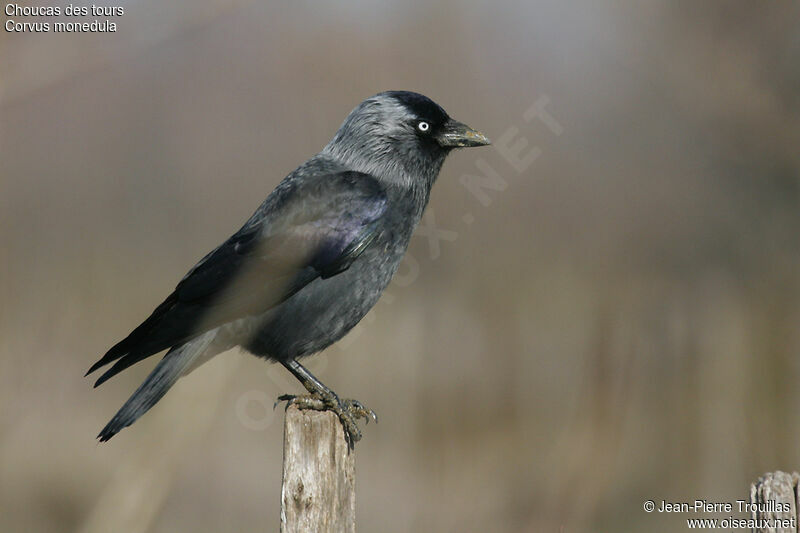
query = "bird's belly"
x=325 y=310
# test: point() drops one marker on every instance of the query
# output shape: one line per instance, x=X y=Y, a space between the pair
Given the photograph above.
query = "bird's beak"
x=454 y=134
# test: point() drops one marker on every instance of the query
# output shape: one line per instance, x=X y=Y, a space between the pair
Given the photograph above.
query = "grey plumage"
x=310 y=262
x=175 y=363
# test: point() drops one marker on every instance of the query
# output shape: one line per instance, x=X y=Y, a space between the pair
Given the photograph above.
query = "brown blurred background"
x=620 y=323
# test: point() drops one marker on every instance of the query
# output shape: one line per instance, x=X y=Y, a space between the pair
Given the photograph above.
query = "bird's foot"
x=349 y=411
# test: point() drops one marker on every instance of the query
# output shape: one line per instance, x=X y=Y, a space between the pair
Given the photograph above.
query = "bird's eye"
x=423 y=126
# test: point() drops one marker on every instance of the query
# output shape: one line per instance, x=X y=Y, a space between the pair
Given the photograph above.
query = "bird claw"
x=360 y=410
x=349 y=411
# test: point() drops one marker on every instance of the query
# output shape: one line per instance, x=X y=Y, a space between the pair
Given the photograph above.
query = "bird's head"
x=400 y=136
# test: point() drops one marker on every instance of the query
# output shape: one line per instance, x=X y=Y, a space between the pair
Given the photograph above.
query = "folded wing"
x=305 y=230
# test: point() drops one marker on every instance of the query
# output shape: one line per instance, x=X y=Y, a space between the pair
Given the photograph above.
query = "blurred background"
x=612 y=319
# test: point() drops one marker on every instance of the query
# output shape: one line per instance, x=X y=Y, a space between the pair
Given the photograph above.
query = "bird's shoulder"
x=320 y=203
x=320 y=188
x=315 y=203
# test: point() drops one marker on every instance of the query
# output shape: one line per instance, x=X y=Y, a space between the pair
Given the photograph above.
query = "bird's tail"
x=175 y=363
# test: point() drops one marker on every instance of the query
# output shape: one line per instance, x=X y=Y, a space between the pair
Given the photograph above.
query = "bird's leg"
x=321 y=398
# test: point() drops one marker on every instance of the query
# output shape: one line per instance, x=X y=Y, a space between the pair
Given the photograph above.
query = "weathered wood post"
x=318 y=489
x=781 y=488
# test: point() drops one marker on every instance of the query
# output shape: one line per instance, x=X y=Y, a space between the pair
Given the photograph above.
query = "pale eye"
x=423 y=126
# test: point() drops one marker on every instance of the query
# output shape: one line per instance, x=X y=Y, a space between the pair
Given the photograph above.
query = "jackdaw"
x=309 y=264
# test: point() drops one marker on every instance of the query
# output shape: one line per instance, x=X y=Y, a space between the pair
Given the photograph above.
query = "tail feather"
x=174 y=364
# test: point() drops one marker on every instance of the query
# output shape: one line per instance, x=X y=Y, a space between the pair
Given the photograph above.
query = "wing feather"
x=315 y=228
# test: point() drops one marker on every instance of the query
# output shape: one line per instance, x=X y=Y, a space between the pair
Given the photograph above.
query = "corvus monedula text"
x=311 y=261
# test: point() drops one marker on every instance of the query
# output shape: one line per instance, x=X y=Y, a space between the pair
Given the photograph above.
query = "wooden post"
x=781 y=488
x=318 y=490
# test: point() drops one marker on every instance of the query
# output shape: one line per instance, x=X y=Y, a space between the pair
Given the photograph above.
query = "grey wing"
x=315 y=229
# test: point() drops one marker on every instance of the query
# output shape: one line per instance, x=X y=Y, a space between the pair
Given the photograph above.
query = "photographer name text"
x=706 y=506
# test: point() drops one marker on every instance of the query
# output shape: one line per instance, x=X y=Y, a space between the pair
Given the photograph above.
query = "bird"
x=309 y=263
